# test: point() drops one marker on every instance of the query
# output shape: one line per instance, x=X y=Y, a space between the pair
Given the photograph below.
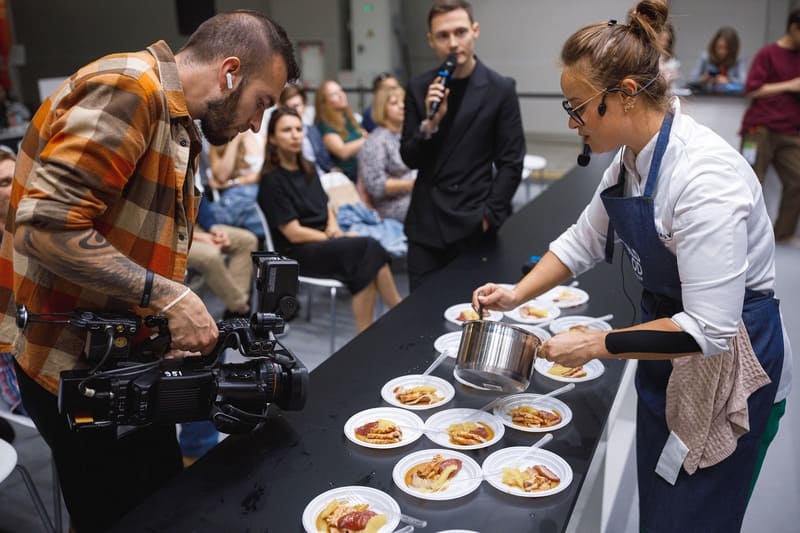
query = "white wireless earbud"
x=230 y=80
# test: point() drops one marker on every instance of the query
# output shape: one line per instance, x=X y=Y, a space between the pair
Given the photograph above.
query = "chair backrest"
x=340 y=190
x=8 y=459
x=268 y=243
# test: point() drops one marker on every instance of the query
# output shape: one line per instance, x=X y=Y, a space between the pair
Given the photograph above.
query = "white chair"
x=8 y=463
x=332 y=285
x=532 y=169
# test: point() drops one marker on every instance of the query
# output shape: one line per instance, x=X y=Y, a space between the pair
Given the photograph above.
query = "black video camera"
x=134 y=386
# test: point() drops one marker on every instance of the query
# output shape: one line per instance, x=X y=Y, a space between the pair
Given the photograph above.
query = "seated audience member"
x=382 y=173
x=12 y=113
x=314 y=149
x=720 y=68
x=305 y=229
x=235 y=174
x=668 y=64
x=384 y=80
x=9 y=390
x=341 y=133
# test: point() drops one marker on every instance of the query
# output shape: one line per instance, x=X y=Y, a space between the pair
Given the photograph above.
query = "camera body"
x=134 y=385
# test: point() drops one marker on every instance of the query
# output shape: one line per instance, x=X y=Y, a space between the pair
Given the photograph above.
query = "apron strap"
x=652 y=177
x=610 y=231
x=658 y=154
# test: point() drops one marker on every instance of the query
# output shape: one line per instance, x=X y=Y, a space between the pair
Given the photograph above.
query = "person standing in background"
x=771 y=125
x=469 y=153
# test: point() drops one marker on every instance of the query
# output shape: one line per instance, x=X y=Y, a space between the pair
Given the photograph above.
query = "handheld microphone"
x=446 y=73
x=586 y=156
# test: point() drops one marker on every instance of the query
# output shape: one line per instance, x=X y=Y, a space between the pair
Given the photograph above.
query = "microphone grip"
x=433 y=110
x=586 y=156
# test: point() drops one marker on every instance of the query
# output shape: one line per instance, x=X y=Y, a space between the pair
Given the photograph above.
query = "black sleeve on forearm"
x=648 y=341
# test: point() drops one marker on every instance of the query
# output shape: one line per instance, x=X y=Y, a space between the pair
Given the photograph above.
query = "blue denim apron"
x=713 y=498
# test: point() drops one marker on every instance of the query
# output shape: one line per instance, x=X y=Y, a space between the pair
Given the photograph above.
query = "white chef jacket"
x=709 y=212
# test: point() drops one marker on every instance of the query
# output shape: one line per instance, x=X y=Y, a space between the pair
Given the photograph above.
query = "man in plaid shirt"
x=101 y=215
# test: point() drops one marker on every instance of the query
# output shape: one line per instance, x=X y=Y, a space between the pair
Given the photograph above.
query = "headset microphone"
x=586 y=156
x=446 y=73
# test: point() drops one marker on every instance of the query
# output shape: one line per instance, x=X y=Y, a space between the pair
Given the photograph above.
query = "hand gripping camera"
x=133 y=385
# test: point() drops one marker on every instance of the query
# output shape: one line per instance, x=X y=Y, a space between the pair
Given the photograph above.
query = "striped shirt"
x=113 y=149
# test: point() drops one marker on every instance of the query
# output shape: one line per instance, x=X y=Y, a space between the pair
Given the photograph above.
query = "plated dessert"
x=464 y=429
x=532 y=413
x=383 y=427
x=417 y=392
x=339 y=516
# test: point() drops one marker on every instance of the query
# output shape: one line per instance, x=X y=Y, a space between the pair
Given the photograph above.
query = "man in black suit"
x=469 y=154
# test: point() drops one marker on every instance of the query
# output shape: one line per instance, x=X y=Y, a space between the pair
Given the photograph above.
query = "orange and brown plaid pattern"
x=113 y=149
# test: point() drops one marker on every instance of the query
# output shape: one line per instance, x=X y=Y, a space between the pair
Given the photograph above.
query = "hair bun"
x=649 y=17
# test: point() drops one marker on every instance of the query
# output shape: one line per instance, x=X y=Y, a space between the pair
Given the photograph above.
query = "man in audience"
x=384 y=80
x=771 y=125
x=469 y=153
x=101 y=217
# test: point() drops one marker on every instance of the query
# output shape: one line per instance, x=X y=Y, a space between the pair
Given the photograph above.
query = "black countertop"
x=263 y=481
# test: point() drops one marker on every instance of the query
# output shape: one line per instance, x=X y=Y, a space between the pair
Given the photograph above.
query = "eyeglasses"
x=575 y=112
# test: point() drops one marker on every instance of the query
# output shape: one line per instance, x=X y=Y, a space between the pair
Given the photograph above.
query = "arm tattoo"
x=87 y=259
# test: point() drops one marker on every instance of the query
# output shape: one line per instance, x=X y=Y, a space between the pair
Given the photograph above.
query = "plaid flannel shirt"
x=113 y=149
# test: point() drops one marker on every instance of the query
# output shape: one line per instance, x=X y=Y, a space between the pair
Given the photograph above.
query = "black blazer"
x=457 y=186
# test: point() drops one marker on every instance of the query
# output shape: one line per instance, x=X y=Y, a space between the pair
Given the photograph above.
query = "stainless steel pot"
x=496 y=356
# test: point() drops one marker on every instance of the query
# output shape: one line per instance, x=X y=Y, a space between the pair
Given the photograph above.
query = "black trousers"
x=424 y=261
x=102 y=477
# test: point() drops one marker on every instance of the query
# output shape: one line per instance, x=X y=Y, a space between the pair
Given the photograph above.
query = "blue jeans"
x=197 y=438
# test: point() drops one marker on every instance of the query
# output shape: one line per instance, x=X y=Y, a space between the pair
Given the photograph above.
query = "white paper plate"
x=448 y=342
x=536 y=330
x=564 y=296
x=594 y=369
x=467 y=383
x=453 y=311
x=444 y=389
x=508 y=457
x=442 y=420
x=379 y=501
x=411 y=425
x=465 y=481
x=517 y=400
x=552 y=312
x=565 y=322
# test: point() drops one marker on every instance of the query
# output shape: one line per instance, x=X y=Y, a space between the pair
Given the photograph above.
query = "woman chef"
x=689 y=212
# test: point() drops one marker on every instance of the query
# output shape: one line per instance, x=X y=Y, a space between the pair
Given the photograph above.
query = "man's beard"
x=220 y=116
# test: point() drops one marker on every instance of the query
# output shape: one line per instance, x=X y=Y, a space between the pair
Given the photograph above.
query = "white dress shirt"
x=709 y=212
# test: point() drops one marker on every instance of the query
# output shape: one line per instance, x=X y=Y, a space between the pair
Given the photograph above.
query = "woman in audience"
x=385 y=178
x=342 y=135
x=720 y=67
x=304 y=228
x=235 y=173
x=314 y=150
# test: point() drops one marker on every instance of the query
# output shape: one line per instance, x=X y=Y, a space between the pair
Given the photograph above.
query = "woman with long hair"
x=690 y=214
x=341 y=133
x=304 y=227
x=720 y=65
